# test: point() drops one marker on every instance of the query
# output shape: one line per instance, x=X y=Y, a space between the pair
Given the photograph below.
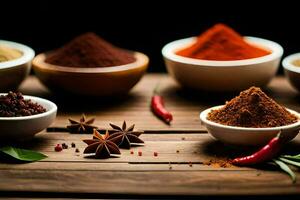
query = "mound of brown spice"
x=89 y=50
x=252 y=108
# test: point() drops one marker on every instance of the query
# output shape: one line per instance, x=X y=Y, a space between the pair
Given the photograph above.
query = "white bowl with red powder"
x=210 y=75
x=25 y=127
x=244 y=136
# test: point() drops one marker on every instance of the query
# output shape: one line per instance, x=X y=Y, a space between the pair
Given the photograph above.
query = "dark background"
x=146 y=26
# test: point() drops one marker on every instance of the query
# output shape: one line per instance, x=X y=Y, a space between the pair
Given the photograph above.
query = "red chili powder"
x=252 y=108
x=90 y=50
x=222 y=43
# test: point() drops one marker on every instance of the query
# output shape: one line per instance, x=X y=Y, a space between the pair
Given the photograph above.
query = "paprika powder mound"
x=221 y=43
x=89 y=50
x=252 y=108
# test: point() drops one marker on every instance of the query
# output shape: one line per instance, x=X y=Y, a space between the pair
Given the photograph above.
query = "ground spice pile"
x=221 y=42
x=14 y=105
x=252 y=108
x=89 y=50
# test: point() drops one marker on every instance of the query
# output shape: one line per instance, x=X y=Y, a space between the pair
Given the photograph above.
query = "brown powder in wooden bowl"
x=252 y=108
x=90 y=50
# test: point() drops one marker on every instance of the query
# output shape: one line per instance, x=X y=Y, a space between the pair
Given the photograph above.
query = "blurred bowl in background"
x=222 y=76
x=291 y=71
x=101 y=81
x=13 y=72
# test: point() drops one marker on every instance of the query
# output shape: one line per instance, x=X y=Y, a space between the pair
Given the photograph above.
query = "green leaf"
x=22 y=154
x=290 y=161
x=286 y=169
x=296 y=157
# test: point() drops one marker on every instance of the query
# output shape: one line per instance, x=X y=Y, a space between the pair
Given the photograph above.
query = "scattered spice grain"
x=64 y=145
x=140 y=153
x=73 y=145
x=77 y=150
x=219 y=162
x=58 y=148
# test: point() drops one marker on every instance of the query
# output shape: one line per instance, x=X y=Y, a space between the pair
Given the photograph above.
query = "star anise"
x=102 y=146
x=124 y=137
x=81 y=126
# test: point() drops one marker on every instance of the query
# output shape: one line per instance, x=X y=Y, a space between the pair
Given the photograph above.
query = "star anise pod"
x=84 y=125
x=124 y=137
x=102 y=146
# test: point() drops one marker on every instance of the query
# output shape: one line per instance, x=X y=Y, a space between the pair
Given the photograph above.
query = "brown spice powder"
x=89 y=50
x=252 y=108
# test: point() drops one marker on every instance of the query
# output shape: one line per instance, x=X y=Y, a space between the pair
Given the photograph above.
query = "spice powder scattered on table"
x=252 y=108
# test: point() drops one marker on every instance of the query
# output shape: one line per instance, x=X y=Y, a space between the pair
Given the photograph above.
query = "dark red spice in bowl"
x=14 y=105
x=90 y=51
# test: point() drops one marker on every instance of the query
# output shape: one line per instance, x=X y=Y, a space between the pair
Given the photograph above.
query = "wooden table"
x=67 y=174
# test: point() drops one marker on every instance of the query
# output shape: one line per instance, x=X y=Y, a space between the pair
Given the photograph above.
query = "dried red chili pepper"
x=266 y=153
x=158 y=107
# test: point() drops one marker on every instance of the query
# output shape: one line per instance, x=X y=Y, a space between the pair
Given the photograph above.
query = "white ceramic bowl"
x=25 y=127
x=222 y=75
x=242 y=136
x=13 y=72
x=291 y=71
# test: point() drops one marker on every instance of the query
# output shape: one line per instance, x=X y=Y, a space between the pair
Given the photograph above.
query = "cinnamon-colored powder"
x=252 y=108
x=89 y=50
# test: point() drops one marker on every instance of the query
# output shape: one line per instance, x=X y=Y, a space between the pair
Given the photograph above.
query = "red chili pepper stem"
x=266 y=153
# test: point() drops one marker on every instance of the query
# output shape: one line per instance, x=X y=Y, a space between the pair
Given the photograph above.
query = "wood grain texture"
x=170 y=173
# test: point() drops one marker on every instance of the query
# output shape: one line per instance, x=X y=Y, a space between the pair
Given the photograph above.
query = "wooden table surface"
x=186 y=141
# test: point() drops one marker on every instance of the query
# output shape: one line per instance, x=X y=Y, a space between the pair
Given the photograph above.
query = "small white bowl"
x=13 y=72
x=25 y=127
x=242 y=136
x=222 y=75
x=291 y=71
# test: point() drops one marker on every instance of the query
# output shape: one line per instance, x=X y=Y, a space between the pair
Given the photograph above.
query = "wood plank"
x=73 y=166
x=185 y=105
x=141 y=183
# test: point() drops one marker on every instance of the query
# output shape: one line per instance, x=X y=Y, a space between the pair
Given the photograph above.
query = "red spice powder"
x=222 y=43
x=252 y=108
x=89 y=50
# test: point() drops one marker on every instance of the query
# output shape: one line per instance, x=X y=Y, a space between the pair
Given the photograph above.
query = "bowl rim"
x=141 y=61
x=287 y=63
x=28 y=54
x=203 y=118
x=41 y=101
x=168 y=51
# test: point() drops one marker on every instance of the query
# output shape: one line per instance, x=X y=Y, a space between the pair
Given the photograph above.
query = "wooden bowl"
x=104 y=81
